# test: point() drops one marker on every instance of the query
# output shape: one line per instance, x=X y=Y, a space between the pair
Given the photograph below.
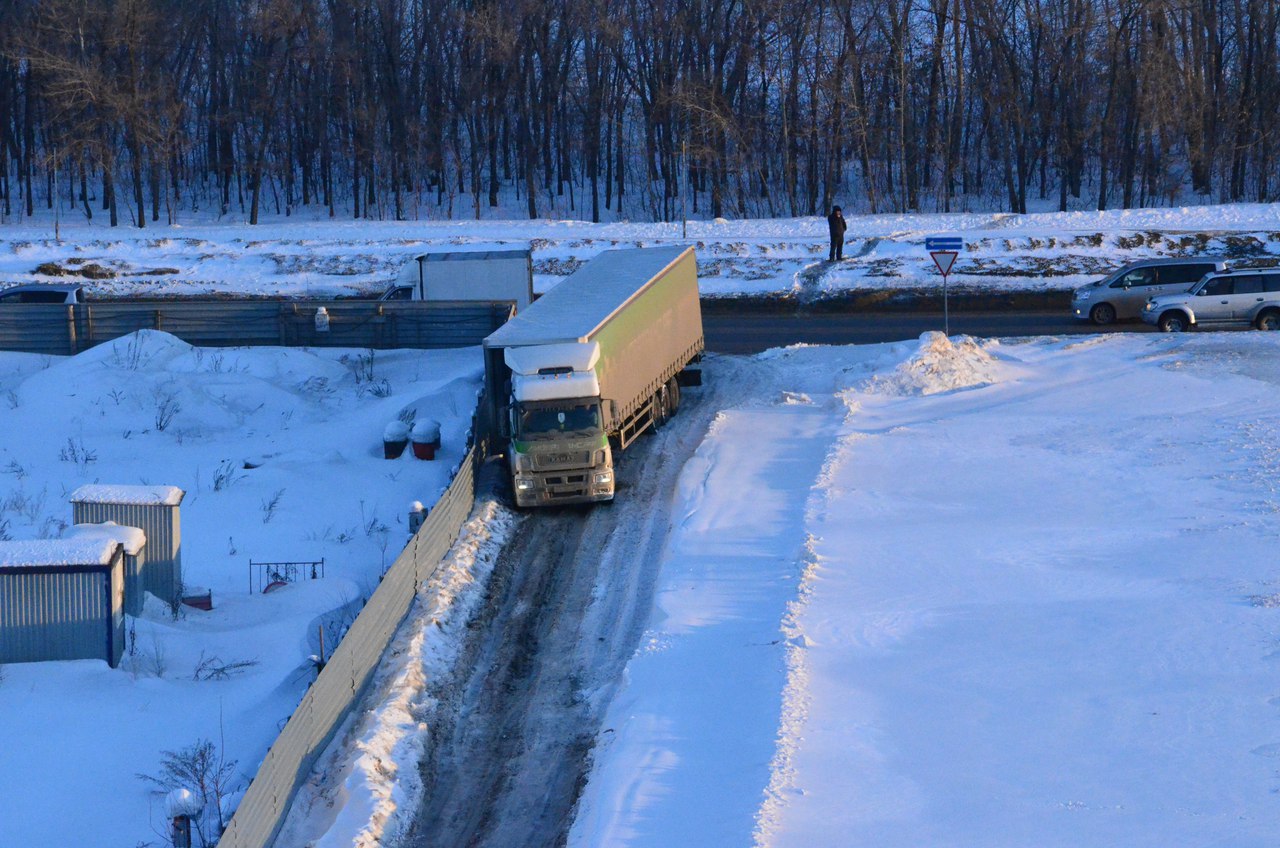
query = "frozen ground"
x=965 y=593
x=151 y=409
x=304 y=258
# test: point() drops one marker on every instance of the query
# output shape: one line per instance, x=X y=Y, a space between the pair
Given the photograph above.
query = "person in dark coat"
x=837 y=225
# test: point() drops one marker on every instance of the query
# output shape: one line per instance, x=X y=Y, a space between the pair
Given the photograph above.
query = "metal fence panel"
x=62 y=330
x=340 y=685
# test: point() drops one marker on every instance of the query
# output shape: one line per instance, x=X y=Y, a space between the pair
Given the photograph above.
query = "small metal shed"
x=62 y=599
x=152 y=509
x=134 y=543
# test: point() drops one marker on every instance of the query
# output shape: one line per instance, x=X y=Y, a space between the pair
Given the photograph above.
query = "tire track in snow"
x=567 y=606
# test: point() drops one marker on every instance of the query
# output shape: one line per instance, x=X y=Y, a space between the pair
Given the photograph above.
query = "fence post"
x=71 y=330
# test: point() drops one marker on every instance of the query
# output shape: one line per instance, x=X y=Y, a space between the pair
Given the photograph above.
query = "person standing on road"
x=836 y=224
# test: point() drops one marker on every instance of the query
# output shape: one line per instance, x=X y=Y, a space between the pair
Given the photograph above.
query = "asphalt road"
x=751 y=333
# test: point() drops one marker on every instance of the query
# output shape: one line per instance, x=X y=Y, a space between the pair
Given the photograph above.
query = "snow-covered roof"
x=84 y=550
x=132 y=495
x=472 y=255
x=575 y=308
x=132 y=538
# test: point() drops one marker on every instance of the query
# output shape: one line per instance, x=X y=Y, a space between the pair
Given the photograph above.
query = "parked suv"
x=1123 y=294
x=1239 y=298
x=42 y=293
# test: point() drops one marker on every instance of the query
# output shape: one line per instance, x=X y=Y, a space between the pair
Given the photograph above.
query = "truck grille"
x=567 y=459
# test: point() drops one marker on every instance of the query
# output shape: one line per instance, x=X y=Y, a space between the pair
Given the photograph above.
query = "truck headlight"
x=603 y=478
x=524 y=484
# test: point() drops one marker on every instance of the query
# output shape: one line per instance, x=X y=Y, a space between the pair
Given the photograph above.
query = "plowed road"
x=752 y=333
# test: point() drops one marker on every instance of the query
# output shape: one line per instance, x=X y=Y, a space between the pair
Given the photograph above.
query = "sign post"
x=944 y=250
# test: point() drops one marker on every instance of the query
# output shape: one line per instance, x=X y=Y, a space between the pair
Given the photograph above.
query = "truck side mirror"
x=507 y=426
x=612 y=407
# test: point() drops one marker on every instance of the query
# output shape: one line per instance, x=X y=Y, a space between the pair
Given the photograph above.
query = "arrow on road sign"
x=944 y=259
x=932 y=243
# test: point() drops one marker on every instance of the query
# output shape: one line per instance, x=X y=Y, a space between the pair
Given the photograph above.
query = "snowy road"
x=569 y=600
x=752 y=333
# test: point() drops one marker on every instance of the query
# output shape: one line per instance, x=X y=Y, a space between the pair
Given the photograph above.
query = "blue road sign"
x=944 y=243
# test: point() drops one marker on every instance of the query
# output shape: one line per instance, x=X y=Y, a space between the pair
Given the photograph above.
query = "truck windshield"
x=548 y=420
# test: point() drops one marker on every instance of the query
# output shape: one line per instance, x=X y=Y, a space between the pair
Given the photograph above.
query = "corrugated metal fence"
x=52 y=329
x=339 y=687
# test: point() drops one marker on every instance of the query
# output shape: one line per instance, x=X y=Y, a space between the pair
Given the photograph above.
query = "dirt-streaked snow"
x=965 y=593
x=322 y=258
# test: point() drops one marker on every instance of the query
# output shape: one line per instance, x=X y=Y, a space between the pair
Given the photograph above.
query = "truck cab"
x=578 y=376
x=558 y=446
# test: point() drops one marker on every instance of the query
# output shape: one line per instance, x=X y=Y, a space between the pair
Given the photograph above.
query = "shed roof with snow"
x=131 y=495
x=81 y=550
x=132 y=538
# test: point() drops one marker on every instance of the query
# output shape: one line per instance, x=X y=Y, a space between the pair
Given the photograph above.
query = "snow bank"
x=974 y=631
x=366 y=787
x=316 y=259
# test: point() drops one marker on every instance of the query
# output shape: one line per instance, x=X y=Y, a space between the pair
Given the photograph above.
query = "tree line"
x=142 y=110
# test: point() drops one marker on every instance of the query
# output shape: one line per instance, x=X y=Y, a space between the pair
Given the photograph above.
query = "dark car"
x=42 y=293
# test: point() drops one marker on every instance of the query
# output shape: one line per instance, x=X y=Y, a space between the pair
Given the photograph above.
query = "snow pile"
x=941 y=365
x=367 y=785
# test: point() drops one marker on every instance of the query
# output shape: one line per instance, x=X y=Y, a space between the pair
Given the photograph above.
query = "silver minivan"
x=1240 y=298
x=1125 y=292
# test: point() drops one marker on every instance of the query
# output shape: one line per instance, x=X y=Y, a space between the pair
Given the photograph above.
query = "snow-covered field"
x=951 y=592
x=324 y=258
x=152 y=410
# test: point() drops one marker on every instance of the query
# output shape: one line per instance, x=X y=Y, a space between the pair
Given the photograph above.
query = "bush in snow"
x=224 y=475
x=269 y=506
x=202 y=770
x=214 y=667
x=131 y=355
x=167 y=407
x=77 y=453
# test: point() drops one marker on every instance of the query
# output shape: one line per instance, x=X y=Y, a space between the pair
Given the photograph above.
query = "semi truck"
x=588 y=367
x=466 y=275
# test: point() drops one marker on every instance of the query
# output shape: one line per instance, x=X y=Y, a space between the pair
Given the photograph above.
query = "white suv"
x=1238 y=298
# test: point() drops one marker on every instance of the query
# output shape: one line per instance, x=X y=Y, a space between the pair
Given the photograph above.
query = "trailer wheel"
x=660 y=411
x=673 y=395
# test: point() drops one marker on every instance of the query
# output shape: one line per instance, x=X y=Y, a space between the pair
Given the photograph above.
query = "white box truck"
x=466 y=275
x=590 y=366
